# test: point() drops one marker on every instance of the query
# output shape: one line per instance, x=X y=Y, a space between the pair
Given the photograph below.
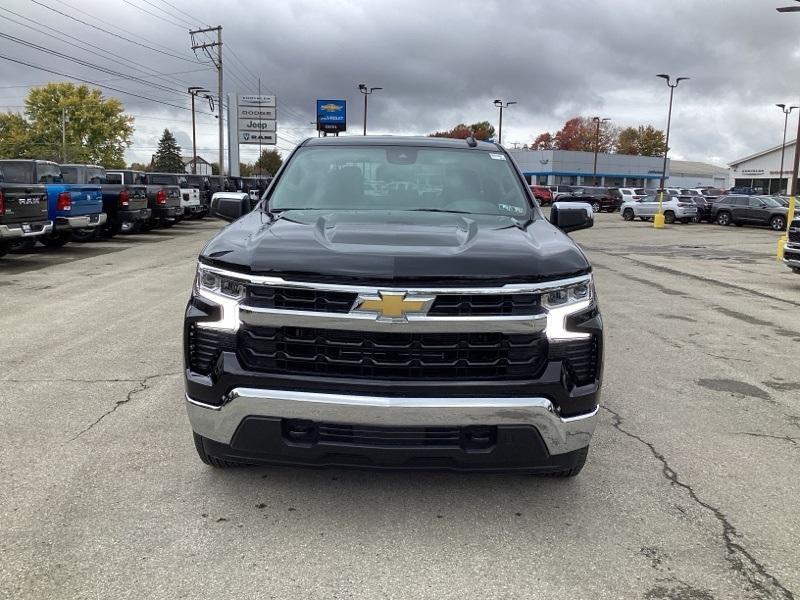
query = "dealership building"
x=762 y=170
x=566 y=167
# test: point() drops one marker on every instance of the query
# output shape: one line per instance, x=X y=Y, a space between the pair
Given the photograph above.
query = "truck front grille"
x=450 y=305
x=400 y=356
x=794 y=233
x=362 y=435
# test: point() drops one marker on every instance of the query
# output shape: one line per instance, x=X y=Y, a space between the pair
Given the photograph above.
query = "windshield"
x=95 y=175
x=400 y=178
x=17 y=172
x=163 y=179
x=770 y=202
x=70 y=174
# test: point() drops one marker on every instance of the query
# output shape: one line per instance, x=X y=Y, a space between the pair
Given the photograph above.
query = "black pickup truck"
x=163 y=199
x=395 y=302
x=23 y=213
x=124 y=198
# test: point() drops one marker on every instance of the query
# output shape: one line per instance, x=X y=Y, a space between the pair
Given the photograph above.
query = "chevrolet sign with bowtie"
x=393 y=305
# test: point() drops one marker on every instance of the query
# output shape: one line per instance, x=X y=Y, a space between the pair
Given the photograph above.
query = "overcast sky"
x=439 y=62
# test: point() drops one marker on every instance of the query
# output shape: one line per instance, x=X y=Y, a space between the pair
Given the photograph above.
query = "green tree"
x=15 y=137
x=641 y=141
x=483 y=130
x=246 y=169
x=97 y=129
x=137 y=166
x=268 y=163
x=167 y=158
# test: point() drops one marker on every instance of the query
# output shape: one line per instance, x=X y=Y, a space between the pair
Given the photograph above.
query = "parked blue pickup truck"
x=70 y=206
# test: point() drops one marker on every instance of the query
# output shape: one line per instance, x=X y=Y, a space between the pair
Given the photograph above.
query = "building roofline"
x=789 y=144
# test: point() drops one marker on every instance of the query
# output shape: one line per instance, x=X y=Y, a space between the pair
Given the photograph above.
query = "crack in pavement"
x=784 y=438
x=141 y=386
x=68 y=380
x=742 y=562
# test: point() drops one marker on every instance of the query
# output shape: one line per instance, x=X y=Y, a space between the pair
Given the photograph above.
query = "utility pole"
x=206 y=48
x=63 y=135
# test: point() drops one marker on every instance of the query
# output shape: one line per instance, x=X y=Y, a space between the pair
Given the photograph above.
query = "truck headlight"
x=215 y=283
x=563 y=302
x=223 y=291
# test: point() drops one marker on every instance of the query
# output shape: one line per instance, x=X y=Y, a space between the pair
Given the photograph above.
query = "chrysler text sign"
x=332 y=115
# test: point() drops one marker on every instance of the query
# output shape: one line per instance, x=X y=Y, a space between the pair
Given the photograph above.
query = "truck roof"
x=397 y=140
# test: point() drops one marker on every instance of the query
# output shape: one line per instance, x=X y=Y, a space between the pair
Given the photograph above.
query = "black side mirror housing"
x=230 y=206
x=571 y=216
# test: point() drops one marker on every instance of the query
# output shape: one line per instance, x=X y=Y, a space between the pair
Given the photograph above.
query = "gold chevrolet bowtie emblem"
x=393 y=305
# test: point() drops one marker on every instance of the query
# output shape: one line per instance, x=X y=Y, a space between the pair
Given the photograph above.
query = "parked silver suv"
x=675 y=208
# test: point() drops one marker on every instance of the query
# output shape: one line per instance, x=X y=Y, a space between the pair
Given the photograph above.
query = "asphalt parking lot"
x=691 y=489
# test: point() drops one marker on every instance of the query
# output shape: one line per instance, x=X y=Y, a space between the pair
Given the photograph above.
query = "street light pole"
x=658 y=220
x=786 y=111
x=501 y=106
x=597 y=121
x=193 y=91
x=366 y=91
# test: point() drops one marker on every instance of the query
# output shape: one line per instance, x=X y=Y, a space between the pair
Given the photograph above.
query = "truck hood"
x=395 y=246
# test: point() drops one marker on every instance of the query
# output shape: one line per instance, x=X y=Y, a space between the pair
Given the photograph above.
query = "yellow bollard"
x=658 y=220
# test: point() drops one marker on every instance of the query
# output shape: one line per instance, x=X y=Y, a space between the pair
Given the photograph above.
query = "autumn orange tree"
x=482 y=130
x=579 y=134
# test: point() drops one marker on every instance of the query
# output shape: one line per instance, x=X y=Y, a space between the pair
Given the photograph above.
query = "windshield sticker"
x=497 y=156
x=509 y=208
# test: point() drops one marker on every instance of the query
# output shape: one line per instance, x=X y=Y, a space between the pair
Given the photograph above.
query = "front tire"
x=213 y=461
x=777 y=223
x=669 y=217
x=628 y=214
x=724 y=219
x=596 y=207
x=686 y=220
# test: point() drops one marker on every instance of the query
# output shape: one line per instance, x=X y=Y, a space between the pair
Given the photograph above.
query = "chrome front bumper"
x=219 y=423
x=793 y=259
x=18 y=231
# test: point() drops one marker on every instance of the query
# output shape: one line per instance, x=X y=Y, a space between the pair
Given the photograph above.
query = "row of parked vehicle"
x=44 y=202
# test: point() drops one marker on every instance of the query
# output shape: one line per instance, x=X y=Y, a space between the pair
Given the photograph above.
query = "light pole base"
x=781 y=243
x=658 y=221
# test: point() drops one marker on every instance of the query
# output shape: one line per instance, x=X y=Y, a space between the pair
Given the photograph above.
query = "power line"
x=116 y=35
x=180 y=11
x=152 y=14
x=27 y=64
x=90 y=65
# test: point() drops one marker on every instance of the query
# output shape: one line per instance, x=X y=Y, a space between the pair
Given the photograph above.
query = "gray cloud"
x=444 y=62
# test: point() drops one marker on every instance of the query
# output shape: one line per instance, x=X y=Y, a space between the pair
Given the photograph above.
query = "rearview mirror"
x=230 y=206
x=571 y=216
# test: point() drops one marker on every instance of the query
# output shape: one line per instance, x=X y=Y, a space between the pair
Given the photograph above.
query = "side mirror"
x=571 y=216
x=230 y=207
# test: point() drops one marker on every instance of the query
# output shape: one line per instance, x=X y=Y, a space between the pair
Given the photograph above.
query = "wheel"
x=724 y=218
x=696 y=219
x=628 y=214
x=201 y=215
x=796 y=270
x=110 y=229
x=669 y=217
x=5 y=247
x=23 y=246
x=584 y=452
x=686 y=220
x=778 y=223
x=84 y=235
x=56 y=240
x=213 y=461
x=166 y=223
x=596 y=207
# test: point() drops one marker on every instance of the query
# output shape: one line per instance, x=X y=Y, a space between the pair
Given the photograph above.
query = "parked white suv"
x=675 y=208
x=632 y=193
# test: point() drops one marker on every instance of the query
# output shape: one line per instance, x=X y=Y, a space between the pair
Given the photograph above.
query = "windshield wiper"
x=440 y=210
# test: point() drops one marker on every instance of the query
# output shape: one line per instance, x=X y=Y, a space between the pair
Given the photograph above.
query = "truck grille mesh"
x=455 y=305
x=204 y=349
x=580 y=358
x=401 y=356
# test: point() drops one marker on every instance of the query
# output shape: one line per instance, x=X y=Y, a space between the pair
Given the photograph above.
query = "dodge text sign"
x=256 y=112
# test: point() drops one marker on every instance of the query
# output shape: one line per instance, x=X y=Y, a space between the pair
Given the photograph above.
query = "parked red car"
x=542 y=194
